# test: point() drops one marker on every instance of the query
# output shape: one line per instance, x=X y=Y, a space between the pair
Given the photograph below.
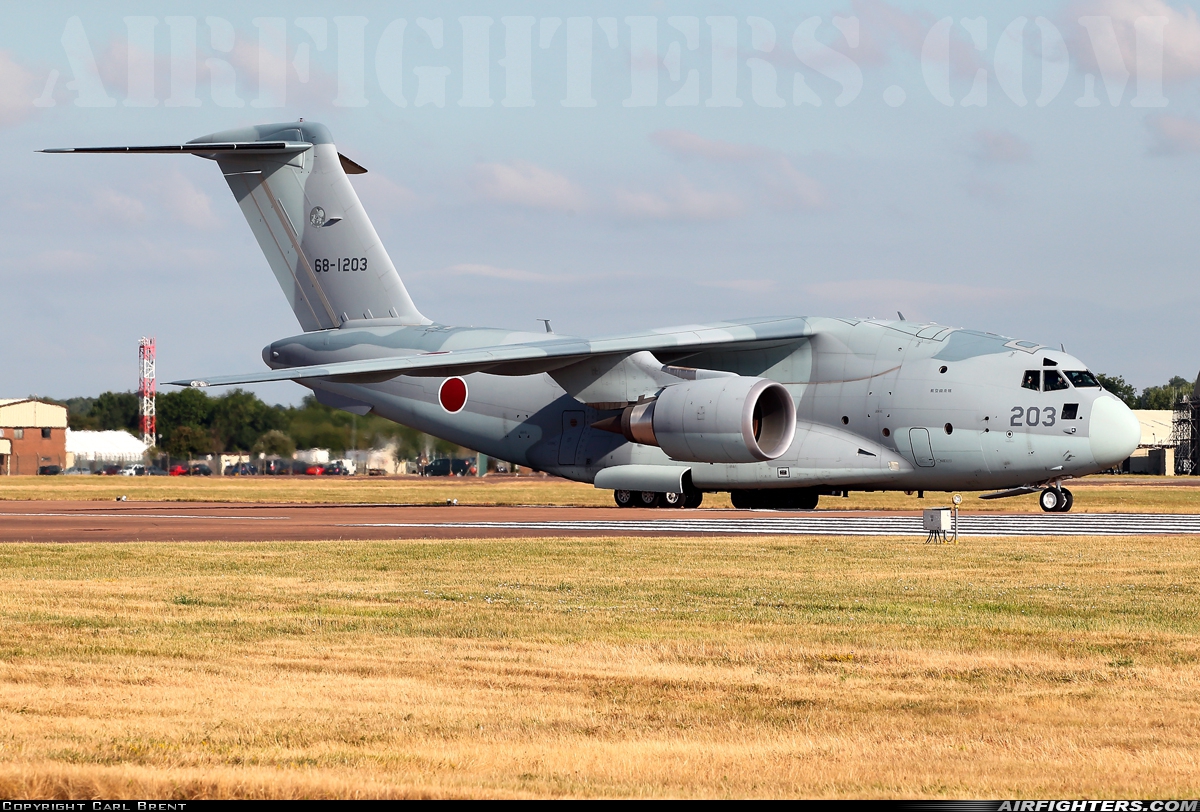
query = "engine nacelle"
x=728 y=419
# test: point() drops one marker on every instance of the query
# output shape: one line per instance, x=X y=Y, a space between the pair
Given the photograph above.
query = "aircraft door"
x=568 y=442
x=922 y=451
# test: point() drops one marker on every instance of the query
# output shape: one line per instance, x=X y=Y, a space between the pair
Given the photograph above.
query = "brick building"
x=32 y=434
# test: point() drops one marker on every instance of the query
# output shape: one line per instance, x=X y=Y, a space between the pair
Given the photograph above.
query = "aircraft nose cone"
x=1115 y=431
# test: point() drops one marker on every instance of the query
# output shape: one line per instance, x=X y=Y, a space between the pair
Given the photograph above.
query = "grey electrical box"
x=936 y=520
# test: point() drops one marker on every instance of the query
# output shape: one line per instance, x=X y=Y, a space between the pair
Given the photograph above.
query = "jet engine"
x=726 y=419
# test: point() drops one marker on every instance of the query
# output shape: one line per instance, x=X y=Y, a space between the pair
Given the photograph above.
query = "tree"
x=187 y=407
x=1165 y=397
x=1117 y=385
x=239 y=418
x=275 y=444
x=116 y=411
x=189 y=441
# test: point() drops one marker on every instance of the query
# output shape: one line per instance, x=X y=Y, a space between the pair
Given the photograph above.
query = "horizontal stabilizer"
x=243 y=147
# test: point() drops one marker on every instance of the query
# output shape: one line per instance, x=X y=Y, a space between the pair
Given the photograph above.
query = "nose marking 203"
x=1033 y=416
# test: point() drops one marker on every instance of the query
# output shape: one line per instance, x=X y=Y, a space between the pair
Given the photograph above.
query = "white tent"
x=104 y=446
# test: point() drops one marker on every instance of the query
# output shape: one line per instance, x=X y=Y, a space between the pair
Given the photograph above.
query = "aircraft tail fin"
x=290 y=182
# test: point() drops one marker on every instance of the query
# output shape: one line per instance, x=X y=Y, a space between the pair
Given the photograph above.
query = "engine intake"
x=728 y=419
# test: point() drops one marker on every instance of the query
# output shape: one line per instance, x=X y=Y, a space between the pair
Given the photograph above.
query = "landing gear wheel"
x=693 y=499
x=1068 y=501
x=672 y=500
x=1052 y=500
x=623 y=499
x=647 y=499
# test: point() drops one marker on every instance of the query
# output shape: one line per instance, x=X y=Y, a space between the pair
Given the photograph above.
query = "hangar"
x=33 y=434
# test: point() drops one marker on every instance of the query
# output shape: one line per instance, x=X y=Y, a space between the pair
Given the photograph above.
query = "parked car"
x=179 y=470
x=110 y=470
x=314 y=470
x=241 y=469
x=277 y=467
x=50 y=470
x=336 y=468
x=154 y=470
x=449 y=467
x=201 y=470
x=136 y=469
x=78 y=470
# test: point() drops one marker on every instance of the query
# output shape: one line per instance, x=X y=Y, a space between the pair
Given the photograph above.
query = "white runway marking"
x=1083 y=524
x=115 y=515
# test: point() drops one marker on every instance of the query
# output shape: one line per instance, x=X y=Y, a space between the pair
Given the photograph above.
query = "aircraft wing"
x=541 y=356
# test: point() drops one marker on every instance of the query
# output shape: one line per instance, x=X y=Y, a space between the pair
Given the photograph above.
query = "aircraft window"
x=1082 y=378
x=1032 y=380
x=1070 y=411
x=1054 y=381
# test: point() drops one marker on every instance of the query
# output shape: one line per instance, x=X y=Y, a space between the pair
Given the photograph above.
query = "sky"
x=1030 y=171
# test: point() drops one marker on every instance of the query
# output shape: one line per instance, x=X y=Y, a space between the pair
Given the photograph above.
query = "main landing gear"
x=1056 y=500
x=651 y=499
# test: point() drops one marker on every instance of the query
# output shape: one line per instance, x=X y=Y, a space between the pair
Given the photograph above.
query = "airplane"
x=778 y=411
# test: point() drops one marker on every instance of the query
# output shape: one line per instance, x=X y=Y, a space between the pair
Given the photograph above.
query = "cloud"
x=999 y=147
x=185 y=202
x=884 y=29
x=875 y=296
x=791 y=186
x=17 y=91
x=986 y=191
x=1181 y=37
x=774 y=172
x=525 y=184
x=683 y=202
x=379 y=192
x=742 y=285
x=109 y=205
x=1174 y=135
x=492 y=272
x=689 y=144
x=64 y=260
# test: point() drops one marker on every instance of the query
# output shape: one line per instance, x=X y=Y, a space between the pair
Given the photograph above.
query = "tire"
x=623 y=499
x=1051 y=500
x=672 y=500
x=647 y=499
x=1068 y=501
x=693 y=499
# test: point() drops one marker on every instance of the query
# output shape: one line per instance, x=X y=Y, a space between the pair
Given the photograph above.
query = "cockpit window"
x=1032 y=380
x=1053 y=381
x=1082 y=378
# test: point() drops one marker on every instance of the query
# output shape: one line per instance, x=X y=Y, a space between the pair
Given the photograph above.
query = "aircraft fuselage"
x=880 y=405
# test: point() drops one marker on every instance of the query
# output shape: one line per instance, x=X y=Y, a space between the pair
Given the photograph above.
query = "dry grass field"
x=821 y=667
x=1100 y=494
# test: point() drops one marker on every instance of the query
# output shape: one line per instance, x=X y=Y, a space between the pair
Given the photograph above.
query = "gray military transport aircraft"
x=778 y=411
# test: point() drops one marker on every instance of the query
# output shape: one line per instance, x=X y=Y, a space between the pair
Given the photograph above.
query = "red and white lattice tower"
x=146 y=391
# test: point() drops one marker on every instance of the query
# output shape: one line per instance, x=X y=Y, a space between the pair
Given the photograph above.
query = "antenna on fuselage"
x=901 y=315
x=547 y=323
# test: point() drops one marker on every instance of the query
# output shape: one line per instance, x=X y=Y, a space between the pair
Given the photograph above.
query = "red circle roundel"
x=453 y=394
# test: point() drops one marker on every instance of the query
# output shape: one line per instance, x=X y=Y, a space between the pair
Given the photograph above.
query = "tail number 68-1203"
x=1033 y=416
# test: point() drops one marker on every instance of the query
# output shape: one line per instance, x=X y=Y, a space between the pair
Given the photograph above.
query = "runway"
x=191 y=521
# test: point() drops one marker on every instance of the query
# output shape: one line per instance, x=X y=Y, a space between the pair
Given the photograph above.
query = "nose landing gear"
x=1056 y=500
